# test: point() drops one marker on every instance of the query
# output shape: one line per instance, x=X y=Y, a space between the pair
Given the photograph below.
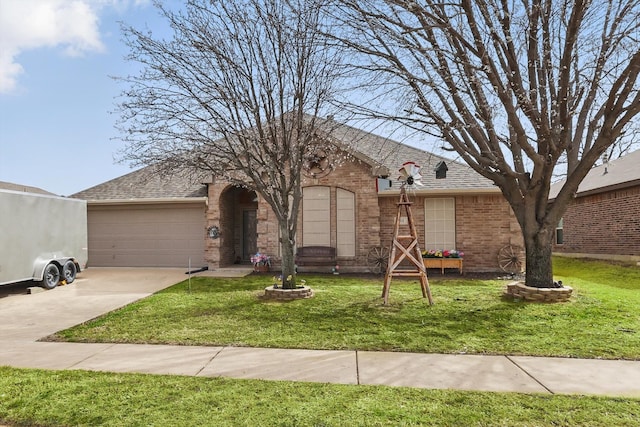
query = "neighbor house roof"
x=145 y=184
x=384 y=155
x=23 y=188
x=620 y=173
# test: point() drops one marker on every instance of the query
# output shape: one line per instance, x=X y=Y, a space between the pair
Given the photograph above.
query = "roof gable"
x=387 y=154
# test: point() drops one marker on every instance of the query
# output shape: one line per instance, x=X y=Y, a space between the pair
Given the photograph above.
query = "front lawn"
x=76 y=398
x=469 y=316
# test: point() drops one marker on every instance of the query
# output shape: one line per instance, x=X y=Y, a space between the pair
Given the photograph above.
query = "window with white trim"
x=440 y=223
x=560 y=232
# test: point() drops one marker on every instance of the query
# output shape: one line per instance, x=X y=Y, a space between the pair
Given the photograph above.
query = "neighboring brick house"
x=603 y=221
x=143 y=220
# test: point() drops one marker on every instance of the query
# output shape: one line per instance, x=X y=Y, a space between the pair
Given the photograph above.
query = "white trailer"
x=42 y=238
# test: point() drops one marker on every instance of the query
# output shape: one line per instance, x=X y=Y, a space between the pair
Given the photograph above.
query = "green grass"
x=469 y=316
x=601 y=320
x=77 y=398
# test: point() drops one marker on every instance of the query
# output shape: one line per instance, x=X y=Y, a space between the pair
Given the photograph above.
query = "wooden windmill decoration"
x=406 y=246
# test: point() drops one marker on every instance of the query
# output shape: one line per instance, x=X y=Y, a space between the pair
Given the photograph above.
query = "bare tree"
x=234 y=93
x=514 y=87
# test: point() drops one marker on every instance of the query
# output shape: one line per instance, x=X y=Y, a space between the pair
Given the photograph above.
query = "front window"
x=560 y=232
x=345 y=223
x=440 y=223
x=316 y=220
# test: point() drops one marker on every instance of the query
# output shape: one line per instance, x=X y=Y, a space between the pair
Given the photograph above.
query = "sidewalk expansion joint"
x=357 y=369
x=209 y=361
x=528 y=374
x=94 y=354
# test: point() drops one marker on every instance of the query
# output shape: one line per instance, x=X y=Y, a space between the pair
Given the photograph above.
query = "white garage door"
x=146 y=235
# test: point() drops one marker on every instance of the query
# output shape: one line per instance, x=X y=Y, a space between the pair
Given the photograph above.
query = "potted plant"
x=261 y=262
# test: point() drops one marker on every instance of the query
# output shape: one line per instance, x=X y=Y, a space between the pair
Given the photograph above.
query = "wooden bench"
x=316 y=256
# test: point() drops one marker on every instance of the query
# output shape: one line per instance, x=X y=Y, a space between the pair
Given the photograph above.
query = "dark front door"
x=249 y=234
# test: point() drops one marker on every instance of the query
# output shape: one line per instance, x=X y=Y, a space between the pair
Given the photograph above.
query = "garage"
x=146 y=234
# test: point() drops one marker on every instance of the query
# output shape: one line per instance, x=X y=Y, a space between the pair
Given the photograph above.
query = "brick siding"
x=353 y=176
x=484 y=223
x=603 y=224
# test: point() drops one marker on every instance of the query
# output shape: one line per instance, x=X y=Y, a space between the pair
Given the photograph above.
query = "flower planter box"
x=261 y=268
x=443 y=263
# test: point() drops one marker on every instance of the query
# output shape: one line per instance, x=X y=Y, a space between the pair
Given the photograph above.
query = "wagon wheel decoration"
x=377 y=259
x=511 y=259
x=318 y=164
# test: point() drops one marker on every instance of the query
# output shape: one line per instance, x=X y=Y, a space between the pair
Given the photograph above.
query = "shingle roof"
x=392 y=154
x=145 y=184
x=622 y=172
x=23 y=188
x=373 y=149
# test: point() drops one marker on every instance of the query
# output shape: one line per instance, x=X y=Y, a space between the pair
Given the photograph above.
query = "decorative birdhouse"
x=441 y=170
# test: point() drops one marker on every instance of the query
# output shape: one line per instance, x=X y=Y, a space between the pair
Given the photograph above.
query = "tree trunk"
x=539 y=273
x=288 y=257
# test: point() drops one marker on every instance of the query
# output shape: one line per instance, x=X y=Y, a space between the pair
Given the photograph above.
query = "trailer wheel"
x=69 y=272
x=51 y=276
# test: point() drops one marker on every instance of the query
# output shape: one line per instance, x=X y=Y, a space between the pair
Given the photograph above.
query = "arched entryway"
x=238 y=225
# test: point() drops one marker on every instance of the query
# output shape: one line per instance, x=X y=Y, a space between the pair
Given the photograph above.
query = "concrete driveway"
x=96 y=291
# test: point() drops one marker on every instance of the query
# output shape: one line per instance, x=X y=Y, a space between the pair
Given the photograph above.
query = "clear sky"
x=56 y=94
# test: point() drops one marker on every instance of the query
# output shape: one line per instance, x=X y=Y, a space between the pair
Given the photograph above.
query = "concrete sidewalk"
x=26 y=318
x=433 y=371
